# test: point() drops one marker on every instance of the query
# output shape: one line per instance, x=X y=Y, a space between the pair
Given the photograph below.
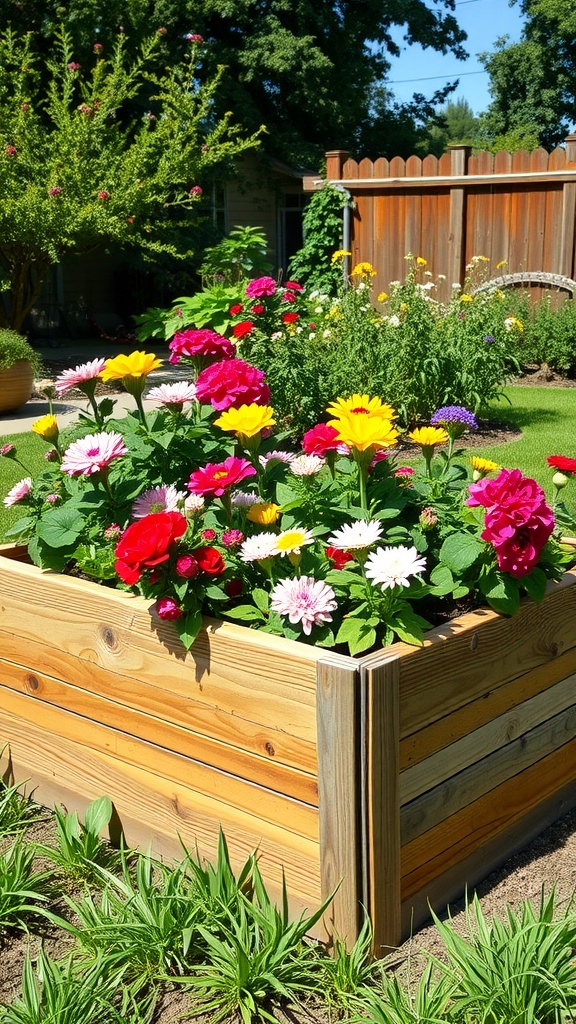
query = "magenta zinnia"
x=200 y=343
x=232 y=383
x=92 y=453
x=217 y=477
x=304 y=600
x=82 y=374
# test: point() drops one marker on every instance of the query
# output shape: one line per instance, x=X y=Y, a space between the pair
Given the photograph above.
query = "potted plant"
x=388 y=761
x=19 y=363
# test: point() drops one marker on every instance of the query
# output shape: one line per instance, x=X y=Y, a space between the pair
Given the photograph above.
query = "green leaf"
x=501 y=592
x=460 y=551
x=535 y=584
x=285 y=495
x=61 y=527
x=188 y=627
x=261 y=599
x=442 y=581
x=408 y=625
x=215 y=594
x=98 y=815
x=21 y=526
x=246 y=613
x=357 y=633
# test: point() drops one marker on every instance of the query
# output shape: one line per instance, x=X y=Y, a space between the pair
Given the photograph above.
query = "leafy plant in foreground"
x=519 y=969
x=393 y=1003
x=15 y=810
x=22 y=890
x=347 y=972
x=80 y=849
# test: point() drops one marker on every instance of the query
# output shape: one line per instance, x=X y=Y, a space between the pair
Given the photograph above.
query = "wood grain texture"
x=338 y=779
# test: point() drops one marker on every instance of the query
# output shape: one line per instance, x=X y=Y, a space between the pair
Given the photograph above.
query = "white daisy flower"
x=306 y=465
x=243 y=499
x=258 y=547
x=392 y=567
x=193 y=503
x=356 y=535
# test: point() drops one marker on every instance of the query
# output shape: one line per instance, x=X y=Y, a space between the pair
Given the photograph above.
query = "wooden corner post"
x=459 y=156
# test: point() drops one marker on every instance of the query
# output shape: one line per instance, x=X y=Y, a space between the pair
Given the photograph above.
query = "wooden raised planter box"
x=404 y=775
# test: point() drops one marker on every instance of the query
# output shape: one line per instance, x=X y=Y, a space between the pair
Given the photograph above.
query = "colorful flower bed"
x=201 y=507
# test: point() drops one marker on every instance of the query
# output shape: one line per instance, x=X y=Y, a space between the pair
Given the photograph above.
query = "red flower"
x=339 y=558
x=320 y=439
x=104 y=196
x=210 y=561
x=217 y=477
x=293 y=286
x=243 y=328
x=562 y=462
x=187 y=567
x=289 y=297
x=166 y=608
x=257 y=309
x=233 y=588
x=232 y=383
x=208 y=534
x=290 y=318
x=260 y=286
x=234 y=310
x=200 y=343
x=146 y=543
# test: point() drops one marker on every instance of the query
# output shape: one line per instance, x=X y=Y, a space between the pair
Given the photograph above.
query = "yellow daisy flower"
x=502 y=264
x=483 y=466
x=362 y=432
x=290 y=541
x=382 y=297
x=421 y=262
x=246 y=420
x=428 y=437
x=360 y=404
x=46 y=427
x=264 y=513
x=136 y=365
x=340 y=254
x=363 y=270
x=466 y=298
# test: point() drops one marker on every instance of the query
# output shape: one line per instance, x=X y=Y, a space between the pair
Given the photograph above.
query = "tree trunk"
x=26 y=280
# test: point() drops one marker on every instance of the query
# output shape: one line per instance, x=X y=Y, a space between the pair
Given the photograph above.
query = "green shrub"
x=549 y=334
x=13 y=347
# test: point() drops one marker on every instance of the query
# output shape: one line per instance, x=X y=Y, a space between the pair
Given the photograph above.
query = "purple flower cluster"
x=455 y=419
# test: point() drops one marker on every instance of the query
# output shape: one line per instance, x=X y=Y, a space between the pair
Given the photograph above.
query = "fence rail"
x=514 y=207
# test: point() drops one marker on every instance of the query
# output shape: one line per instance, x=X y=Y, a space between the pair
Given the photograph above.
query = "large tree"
x=312 y=71
x=99 y=148
x=533 y=82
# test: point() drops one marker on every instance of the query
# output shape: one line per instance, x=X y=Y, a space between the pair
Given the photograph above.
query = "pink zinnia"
x=320 y=439
x=173 y=394
x=92 y=453
x=293 y=286
x=517 y=522
x=204 y=342
x=232 y=383
x=260 y=286
x=20 y=491
x=217 y=477
x=79 y=375
x=304 y=600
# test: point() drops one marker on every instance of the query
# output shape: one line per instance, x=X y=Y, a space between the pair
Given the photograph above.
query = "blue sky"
x=484 y=21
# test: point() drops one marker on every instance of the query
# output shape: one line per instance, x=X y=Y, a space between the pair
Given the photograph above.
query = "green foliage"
x=520 y=968
x=322 y=223
x=549 y=331
x=238 y=257
x=13 y=347
x=16 y=812
x=83 y=165
x=208 y=308
x=80 y=849
x=23 y=891
x=59 y=993
x=428 y=1002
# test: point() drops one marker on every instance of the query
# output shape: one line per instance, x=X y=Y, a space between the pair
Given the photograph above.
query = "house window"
x=219 y=208
x=290 y=234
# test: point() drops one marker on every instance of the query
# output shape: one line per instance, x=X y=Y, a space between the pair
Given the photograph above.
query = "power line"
x=431 y=78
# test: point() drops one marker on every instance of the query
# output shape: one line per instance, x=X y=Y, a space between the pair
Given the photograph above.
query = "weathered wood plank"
x=432 y=853
x=339 y=793
x=479 y=743
x=486 y=774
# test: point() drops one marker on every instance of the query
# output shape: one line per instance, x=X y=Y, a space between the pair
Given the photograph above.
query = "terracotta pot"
x=15 y=385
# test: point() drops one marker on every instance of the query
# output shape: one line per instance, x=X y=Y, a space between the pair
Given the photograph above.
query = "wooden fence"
x=514 y=207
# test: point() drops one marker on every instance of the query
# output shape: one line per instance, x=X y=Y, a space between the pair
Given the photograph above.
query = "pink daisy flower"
x=92 y=453
x=20 y=491
x=79 y=375
x=160 y=499
x=173 y=394
x=304 y=600
x=217 y=477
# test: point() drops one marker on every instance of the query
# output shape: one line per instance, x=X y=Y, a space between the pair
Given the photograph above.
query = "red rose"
x=166 y=608
x=210 y=561
x=147 y=543
x=231 y=383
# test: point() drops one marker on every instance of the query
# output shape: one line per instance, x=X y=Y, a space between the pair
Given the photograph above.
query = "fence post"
x=568 y=214
x=335 y=160
x=457 y=238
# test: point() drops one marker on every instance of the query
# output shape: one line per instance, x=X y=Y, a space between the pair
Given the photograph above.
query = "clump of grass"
x=81 y=851
x=23 y=891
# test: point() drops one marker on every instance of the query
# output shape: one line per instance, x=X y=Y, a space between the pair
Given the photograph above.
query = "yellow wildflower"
x=291 y=541
x=246 y=420
x=480 y=259
x=428 y=437
x=136 y=365
x=383 y=297
x=403 y=307
x=264 y=513
x=421 y=262
x=46 y=427
x=466 y=298
x=512 y=323
x=360 y=404
x=363 y=270
x=483 y=466
x=340 y=254
x=502 y=264
x=360 y=431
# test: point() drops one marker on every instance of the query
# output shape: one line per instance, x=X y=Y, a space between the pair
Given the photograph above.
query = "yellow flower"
x=382 y=297
x=360 y=404
x=363 y=270
x=46 y=427
x=480 y=259
x=340 y=254
x=264 y=513
x=246 y=420
x=403 y=307
x=466 y=298
x=421 y=262
x=291 y=541
x=483 y=466
x=137 y=365
x=428 y=437
x=503 y=263
x=362 y=432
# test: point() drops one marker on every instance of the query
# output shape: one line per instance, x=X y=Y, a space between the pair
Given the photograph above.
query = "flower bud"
x=559 y=480
x=166 y=608
x=187 y=567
